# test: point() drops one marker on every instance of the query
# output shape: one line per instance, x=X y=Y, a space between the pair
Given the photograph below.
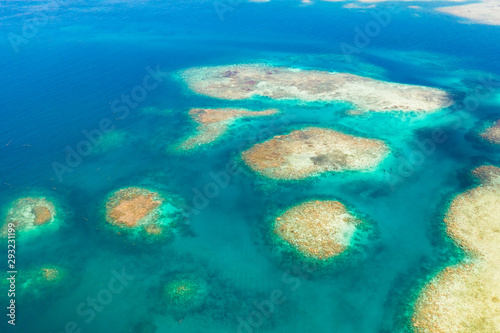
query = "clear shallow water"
x=64 y=80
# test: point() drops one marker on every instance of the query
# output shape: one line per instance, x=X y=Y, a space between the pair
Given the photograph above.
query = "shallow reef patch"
x=466 y=297
x=237 y=82
x=317 y=229
x=312 y=151
x=212 y=124
x=29 y=214
x=492 y=133
x=143 y=213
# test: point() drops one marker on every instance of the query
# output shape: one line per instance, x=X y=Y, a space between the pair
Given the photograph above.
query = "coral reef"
x=492 y=134
x=311 y=151
x=214 y=123
x=317 y=229
x=30 y=213
x=485 y=12
x=236 y=82
x=41 y=281
x=130 y=206
x=142 y=210
x=482 y=12
x=185 y=294
x=466 y=297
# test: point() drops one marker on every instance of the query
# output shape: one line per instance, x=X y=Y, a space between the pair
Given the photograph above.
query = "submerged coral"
x=41 y=281
x=145 y=327
x=112 y=140
x=185 y=294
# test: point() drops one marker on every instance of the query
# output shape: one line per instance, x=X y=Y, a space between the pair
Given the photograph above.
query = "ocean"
x=60 y=81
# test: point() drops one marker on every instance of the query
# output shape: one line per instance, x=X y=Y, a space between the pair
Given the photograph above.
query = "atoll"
x=214 y=123
x=30 y=213
x=237 y=82
x=317 y=229
x=492 y=133
x=311 y=151
x=135 y=208
x=466 y=297
x=185 y=294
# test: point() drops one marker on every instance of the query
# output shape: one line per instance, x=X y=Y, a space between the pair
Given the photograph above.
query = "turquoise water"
x=65 y=79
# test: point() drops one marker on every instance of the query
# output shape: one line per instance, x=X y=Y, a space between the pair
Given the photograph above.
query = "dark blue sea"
x=65 y=67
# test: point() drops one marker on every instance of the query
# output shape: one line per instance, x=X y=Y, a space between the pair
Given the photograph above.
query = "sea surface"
x=63 y=78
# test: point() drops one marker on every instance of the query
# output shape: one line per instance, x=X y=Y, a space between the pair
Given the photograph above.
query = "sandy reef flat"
x=492 y=134
x=319 y=229
x=312 y=151
x=236 y=82
x=466 y=297
x=185 y=294
x=214 y=123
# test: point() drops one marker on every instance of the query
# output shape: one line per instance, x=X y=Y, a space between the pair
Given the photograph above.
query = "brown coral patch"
x=129 y=206
x=214 y=123
x=492 y=134
x=42 y=215
x=153 y=229
x=311 y=151
x=50 y=274
x=317 y=229
x=462 y=298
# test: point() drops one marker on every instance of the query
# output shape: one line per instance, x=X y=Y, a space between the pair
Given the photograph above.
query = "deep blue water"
x=64 y=79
